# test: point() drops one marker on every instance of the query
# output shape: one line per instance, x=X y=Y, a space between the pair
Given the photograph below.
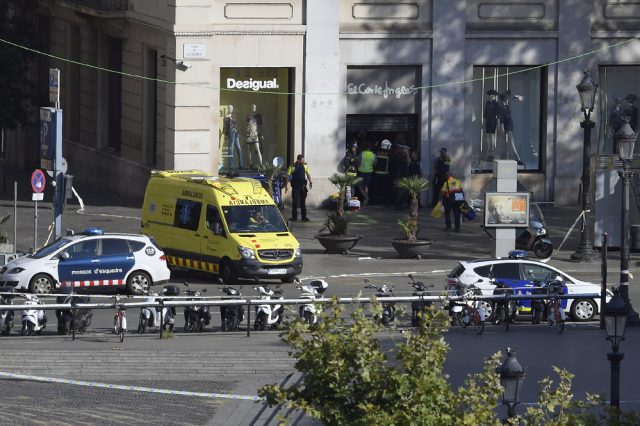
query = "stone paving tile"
x=30 y=403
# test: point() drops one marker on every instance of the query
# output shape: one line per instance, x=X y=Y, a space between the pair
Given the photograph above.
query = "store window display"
x=506 y=117
x=254 y=117
x=618 y=92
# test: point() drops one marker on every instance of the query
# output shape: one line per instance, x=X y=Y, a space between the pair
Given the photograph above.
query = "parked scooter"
x=268 y=314
x=82 y=318
x=150 y=317
x=231 y=315
x=314 y=290
x=195 y=317
x=505 y=311
x=33 y=319
x=388 y=308
x=6 y=317
x=536 y=237
x=419 y=306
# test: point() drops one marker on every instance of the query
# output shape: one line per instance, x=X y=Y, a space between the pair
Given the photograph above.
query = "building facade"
x=219 y=84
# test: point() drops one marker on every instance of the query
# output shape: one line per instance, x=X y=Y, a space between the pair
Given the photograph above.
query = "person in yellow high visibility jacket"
x=450 y=202
x=366 y=164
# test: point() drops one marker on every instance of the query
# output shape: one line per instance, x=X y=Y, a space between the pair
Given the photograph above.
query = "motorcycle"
x=231 y=315
x=6 y=317
x=195 y=317
x=268 y=314
x=388 y=308
x=314 y=290
x=150 y=317
x=33 y=320
x=535 y=237
x=82 y=318
x=419 y=307
x=505 y=311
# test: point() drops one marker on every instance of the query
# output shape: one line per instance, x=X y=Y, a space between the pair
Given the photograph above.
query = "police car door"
x=116 y=260
x=78 y=269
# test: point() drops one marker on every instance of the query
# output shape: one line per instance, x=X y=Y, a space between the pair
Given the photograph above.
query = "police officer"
x=350 y=161
x=366 y=163
x=297 y=173
x=450 y=187
x=380 y=185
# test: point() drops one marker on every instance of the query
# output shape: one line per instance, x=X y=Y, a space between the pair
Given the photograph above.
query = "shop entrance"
x=374 y=128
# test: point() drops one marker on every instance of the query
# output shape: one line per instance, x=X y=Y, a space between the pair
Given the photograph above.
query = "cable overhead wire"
x=311 y=93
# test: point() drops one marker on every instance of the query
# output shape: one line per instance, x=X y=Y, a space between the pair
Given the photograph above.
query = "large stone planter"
x=6 y=248
x=338 y=244
x=411 y=249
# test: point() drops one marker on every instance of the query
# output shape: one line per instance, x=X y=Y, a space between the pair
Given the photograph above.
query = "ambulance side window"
x=187 y=214
x=213 y=215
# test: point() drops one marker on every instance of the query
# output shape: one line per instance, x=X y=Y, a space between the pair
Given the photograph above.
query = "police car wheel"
x=138 y=282
x=41 y=284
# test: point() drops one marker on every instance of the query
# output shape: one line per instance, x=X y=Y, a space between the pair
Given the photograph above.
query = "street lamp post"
x=512 y=376
x=615 y=319
x=625 y=140
x=587 y=91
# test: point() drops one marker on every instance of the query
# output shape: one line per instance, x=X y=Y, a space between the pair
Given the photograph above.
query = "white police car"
x=90 y=258
x=519 y=273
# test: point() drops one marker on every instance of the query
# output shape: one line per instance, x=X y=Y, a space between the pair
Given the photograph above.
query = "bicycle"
x=556 y=313
x=471 y=313
x=120 y=320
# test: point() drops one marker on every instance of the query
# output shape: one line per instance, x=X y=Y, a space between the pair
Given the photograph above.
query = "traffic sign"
x=54 y=85
x=63 y=168
x=38 y=181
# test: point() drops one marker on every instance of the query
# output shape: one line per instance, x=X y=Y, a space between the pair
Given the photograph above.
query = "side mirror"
x=366 y=281
x=393 y=286
x=411 y=278
x=217 y=228
x=64 y=256
x=431 y=285
x=241 y=286
x=204 y=290
x=296 y=279
x=278 y=286
x=186 y=284
x=530 y=272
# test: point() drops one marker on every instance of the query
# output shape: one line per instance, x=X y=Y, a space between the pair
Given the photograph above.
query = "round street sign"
x=38 y=181
x=63 y=168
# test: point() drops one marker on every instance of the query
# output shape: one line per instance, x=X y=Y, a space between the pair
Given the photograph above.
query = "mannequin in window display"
x=254 y=135
x=615 y=119
x=506 y=125
x=631 y=111
x=230 y=130
x=491 y=108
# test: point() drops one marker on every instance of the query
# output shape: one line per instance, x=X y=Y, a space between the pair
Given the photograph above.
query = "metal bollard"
x=161 y=319
x=248 y=317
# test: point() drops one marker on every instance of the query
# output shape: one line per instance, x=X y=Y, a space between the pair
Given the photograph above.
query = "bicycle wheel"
x=479 y=326
x=464 y=314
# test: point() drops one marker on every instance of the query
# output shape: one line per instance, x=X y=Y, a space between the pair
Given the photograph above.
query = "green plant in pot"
x=411 y=246
x=4 y=237
x=338 y=240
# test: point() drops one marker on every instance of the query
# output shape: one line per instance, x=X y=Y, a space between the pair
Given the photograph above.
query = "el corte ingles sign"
x=383 y=90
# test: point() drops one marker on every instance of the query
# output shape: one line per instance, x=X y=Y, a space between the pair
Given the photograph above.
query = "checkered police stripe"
x=193 y=264
x=91 y=283
x=124 y=387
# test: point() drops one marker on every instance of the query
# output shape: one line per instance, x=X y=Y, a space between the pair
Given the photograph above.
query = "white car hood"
x=21 y=261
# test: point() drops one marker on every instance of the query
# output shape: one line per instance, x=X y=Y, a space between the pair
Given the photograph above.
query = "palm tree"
x=270 y=171
x=341 y=182
x=414 y=185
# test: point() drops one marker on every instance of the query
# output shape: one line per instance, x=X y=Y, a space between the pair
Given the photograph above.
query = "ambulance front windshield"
x=253 y=219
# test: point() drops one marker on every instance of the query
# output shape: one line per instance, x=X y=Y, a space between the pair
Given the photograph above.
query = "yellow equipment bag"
x=437 y=211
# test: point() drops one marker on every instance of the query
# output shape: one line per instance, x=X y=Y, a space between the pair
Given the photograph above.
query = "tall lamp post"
x=626 y=139
x=511 y=378
x=615 y=318
x=587 y=90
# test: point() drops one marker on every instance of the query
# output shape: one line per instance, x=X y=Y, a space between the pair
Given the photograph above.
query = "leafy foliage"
x=270 y=171
x=4 y=237
x=337 y=225
x=348 y=380
x=406 y=226
x=414 y=185
x=19 y=94
x=341 y=182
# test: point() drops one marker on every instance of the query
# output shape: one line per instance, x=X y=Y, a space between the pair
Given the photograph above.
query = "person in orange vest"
x=452 y=197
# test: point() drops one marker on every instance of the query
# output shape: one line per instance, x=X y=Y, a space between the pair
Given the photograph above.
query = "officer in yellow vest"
x=366 y=164
x=448 y=197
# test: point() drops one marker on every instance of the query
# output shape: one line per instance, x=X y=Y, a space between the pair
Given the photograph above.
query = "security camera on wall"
x=183 y=66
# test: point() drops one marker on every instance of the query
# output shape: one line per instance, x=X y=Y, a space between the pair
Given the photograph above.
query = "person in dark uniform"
x=442 y=164
x=297 y=173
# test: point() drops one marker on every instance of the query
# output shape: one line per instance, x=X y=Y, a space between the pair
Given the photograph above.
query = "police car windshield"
x=47 y=250
x=253 y=219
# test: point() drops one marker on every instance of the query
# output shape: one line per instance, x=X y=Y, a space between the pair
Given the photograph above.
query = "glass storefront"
x=506 y=120
x=254 y=117
x=619 y=87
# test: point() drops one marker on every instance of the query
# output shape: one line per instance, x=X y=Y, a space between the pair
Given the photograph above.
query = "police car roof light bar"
x=92 y=231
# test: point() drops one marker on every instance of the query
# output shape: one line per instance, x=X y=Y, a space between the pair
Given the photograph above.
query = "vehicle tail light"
x=163 y=257
x=452 y=283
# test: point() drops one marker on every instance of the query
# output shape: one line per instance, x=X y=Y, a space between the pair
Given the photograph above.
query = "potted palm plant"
x=410 y=246
x=270 y=171
x=338 y=240
x=5 y=247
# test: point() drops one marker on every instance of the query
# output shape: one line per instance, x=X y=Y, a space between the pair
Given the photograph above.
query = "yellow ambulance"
x=230 y=227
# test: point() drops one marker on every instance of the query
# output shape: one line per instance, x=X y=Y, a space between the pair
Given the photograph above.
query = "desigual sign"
x=252 y=84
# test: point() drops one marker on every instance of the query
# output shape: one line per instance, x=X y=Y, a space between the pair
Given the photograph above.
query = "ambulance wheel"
x=41 y=284
x=228 y=272
x=138 y=282
x=280 y=206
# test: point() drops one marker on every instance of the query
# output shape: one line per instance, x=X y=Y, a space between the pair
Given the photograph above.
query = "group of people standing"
x=380 y=169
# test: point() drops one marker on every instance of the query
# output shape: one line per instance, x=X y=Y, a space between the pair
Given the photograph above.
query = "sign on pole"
x=38 y=181
x=54 y=85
